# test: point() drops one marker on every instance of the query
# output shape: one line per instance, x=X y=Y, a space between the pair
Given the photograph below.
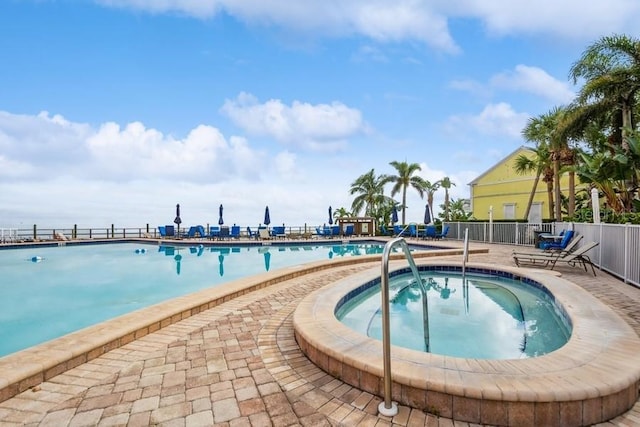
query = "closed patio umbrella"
x=330 y=216
x=267 y=217
x=427 y=214
x=394 y=215
x=177 y=220
x=220 y=221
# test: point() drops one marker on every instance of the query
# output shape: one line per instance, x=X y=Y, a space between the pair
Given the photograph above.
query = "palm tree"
x=370 y=193
x=405 y=178
x=446 y=184
x=341 y=213
x=610 y=68
x=431 y=189
x=540 y=164
x=544 y=129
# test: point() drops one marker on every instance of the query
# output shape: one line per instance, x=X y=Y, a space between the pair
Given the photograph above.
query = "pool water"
x=47 y=292
x=480 y=316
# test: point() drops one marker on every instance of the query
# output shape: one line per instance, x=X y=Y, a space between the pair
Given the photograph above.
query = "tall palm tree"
x=540 y=164
x=544 y=129
x=404 y=179
x=446 y=184
x=611 y=70
x=370 y=193
x=431 y=189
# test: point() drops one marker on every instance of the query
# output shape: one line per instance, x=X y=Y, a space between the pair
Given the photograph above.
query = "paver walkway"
x=238 y=365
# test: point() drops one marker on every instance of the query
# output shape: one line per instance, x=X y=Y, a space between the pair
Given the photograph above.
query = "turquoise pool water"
x=46 y=292
x=479 y=317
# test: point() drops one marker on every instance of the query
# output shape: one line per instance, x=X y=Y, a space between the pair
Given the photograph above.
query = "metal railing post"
x=387 y=407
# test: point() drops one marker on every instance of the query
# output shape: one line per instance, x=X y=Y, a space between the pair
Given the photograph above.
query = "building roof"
x=500 y=162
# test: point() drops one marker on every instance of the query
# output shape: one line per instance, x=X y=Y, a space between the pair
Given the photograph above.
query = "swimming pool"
x=479 y=316
x=46 y=292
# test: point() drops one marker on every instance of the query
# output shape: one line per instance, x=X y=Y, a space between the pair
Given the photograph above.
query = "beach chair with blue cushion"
x=170 y=231
x=224 y=233
x=348 y=230
x=235 y=232
x=214 y=232
x=554 y=245
x=252 y=234
x=429 y=232
x=443 y=233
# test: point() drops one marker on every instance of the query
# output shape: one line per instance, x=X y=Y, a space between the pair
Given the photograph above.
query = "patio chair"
x=235 y=232
x=571 y=246
x=170 y=231
x=551 y=245
x=575 y=258
x=224 y=233
x=348 y=230
x=443 y=233
x=252 y=234
x=429 y=232
x=214 y=232
x=263 y=233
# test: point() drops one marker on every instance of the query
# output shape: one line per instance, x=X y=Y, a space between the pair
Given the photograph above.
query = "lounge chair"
x=443 y=233
x=235 y=232
x=348 y=230
x=554 y=245
x=252 y=234
x=277 y=232
x=162 y=230
x=575 y=258
x=170 y=231
x=214 y=232
x=193 y=230
x=224 y=233
x=263 y=233
x=429 y=232
x=571 y=246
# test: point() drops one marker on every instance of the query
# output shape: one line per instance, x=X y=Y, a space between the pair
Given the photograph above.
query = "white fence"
x=618 y=252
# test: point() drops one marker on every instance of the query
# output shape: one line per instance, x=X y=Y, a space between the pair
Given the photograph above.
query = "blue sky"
x=113 y=111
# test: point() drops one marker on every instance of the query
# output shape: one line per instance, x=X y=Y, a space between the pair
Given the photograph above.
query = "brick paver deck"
x=238 y=365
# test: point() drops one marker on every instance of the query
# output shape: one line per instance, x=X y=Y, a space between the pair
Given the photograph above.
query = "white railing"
x=618 y=251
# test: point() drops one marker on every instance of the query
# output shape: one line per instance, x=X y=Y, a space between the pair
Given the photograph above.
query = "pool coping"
x=591 y=379
x=27 y=368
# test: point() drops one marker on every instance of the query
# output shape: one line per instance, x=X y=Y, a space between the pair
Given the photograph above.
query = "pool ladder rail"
x=388 y=407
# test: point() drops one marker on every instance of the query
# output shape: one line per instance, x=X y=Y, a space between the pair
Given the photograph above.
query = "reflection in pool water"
x=480 y=316
x=47 y=292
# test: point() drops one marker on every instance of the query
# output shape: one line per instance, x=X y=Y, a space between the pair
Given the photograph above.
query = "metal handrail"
x=388 y=407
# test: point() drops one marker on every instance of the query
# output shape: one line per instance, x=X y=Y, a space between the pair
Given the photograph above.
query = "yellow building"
x=506 y=193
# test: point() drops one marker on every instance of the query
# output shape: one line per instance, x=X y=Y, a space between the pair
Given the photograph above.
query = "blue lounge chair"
x=413 y=230
x=552 y=245
x=443 y=233
x=348 y=230
x=170 y=231
x=200 y=231
x=429 y=232
x=193 y=230
x=162 y=230
x=335 y=230
x=214 y=232
x=224 y=233
x=235 y=232
x=252 y=234
x=277 y=232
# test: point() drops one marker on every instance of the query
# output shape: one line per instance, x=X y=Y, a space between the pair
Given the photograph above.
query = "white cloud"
x=572 y=19
x=413 y=20
x=494 y=120
x=535 y=81
x=380 y=20
x=321 y=127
